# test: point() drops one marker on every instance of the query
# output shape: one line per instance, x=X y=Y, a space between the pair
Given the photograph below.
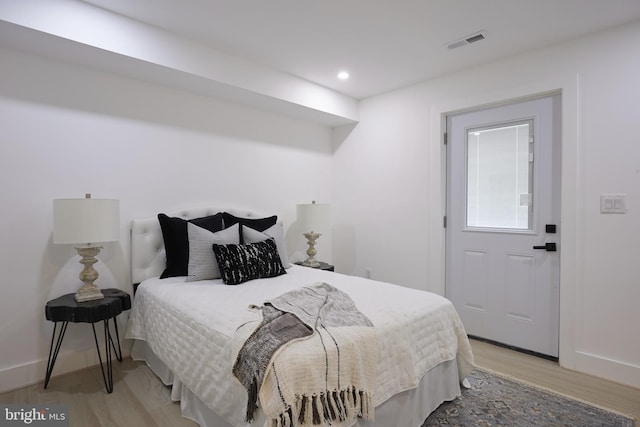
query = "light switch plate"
x=613 y=203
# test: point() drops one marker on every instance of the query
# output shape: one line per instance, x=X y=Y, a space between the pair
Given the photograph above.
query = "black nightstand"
x=66 y=309
x=323 y=266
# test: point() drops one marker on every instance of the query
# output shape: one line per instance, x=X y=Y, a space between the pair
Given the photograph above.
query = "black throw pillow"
x=176 y=240
x=258 y=224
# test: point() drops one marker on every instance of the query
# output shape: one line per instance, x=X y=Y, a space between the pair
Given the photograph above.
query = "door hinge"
x=531 y=157
x=444 y=221
x=445 y=138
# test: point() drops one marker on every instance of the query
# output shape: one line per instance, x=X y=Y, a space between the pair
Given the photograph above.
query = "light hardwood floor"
x=140 y=399
x=548 y=374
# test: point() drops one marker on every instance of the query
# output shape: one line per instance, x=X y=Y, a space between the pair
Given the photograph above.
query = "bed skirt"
x=406 y=409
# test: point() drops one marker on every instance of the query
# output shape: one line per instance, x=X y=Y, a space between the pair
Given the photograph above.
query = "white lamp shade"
x=313 y=217
x=84 y=221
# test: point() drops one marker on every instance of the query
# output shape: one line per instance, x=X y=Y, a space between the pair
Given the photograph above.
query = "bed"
x=190 y=331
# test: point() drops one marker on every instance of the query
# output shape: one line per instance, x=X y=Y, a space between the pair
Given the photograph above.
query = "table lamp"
x=312 y=217
x=83 y=223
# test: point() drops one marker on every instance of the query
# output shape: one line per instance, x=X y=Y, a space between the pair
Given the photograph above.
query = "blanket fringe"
x=326 y=408
x=252 y=402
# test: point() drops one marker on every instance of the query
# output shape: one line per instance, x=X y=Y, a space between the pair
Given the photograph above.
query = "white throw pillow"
x=249 y=235
x=202 y=261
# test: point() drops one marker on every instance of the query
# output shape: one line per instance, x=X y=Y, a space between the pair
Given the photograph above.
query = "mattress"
x=190 y=329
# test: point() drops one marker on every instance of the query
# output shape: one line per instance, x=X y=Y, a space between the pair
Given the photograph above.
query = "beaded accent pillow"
x=244 y=262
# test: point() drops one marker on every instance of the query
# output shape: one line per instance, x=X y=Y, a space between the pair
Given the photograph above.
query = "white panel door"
x=503 y=195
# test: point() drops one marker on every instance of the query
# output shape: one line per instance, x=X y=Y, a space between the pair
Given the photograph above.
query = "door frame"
x=571 y=271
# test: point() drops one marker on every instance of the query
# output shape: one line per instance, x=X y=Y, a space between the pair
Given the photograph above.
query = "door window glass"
x=500 y=176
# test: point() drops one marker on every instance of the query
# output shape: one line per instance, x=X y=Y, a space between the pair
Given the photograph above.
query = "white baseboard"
x=606 y=368
x=34 y=372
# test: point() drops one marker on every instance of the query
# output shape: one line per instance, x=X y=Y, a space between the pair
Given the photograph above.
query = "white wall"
x=388 y=180
x=67 y=131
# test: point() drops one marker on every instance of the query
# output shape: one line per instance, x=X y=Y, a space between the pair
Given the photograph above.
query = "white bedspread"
x=190 y=326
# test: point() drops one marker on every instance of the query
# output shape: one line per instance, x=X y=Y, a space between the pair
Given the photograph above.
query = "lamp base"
x=311 y=261
x=89 y=291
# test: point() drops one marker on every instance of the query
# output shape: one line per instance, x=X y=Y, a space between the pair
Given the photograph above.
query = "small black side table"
x=323 y=266
x=66 y=309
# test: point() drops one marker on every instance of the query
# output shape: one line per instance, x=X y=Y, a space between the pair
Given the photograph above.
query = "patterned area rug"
x=493 y=400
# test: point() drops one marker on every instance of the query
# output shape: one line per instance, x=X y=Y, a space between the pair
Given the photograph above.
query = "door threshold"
x=514 y=348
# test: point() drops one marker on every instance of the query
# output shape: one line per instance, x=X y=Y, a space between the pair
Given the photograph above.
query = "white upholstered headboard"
x=147 y=246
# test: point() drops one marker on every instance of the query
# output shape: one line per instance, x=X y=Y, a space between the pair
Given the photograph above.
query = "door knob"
x=549 y=247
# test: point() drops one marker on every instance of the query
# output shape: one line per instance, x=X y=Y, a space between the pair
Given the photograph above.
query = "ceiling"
x=383 y=44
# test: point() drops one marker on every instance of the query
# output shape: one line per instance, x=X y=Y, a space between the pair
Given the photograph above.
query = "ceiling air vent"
x=472 y=38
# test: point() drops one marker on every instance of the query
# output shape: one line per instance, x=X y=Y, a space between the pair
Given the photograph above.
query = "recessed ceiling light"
x=343 y=75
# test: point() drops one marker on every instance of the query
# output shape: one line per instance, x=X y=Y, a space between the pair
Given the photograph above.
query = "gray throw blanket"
x=312 y=313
